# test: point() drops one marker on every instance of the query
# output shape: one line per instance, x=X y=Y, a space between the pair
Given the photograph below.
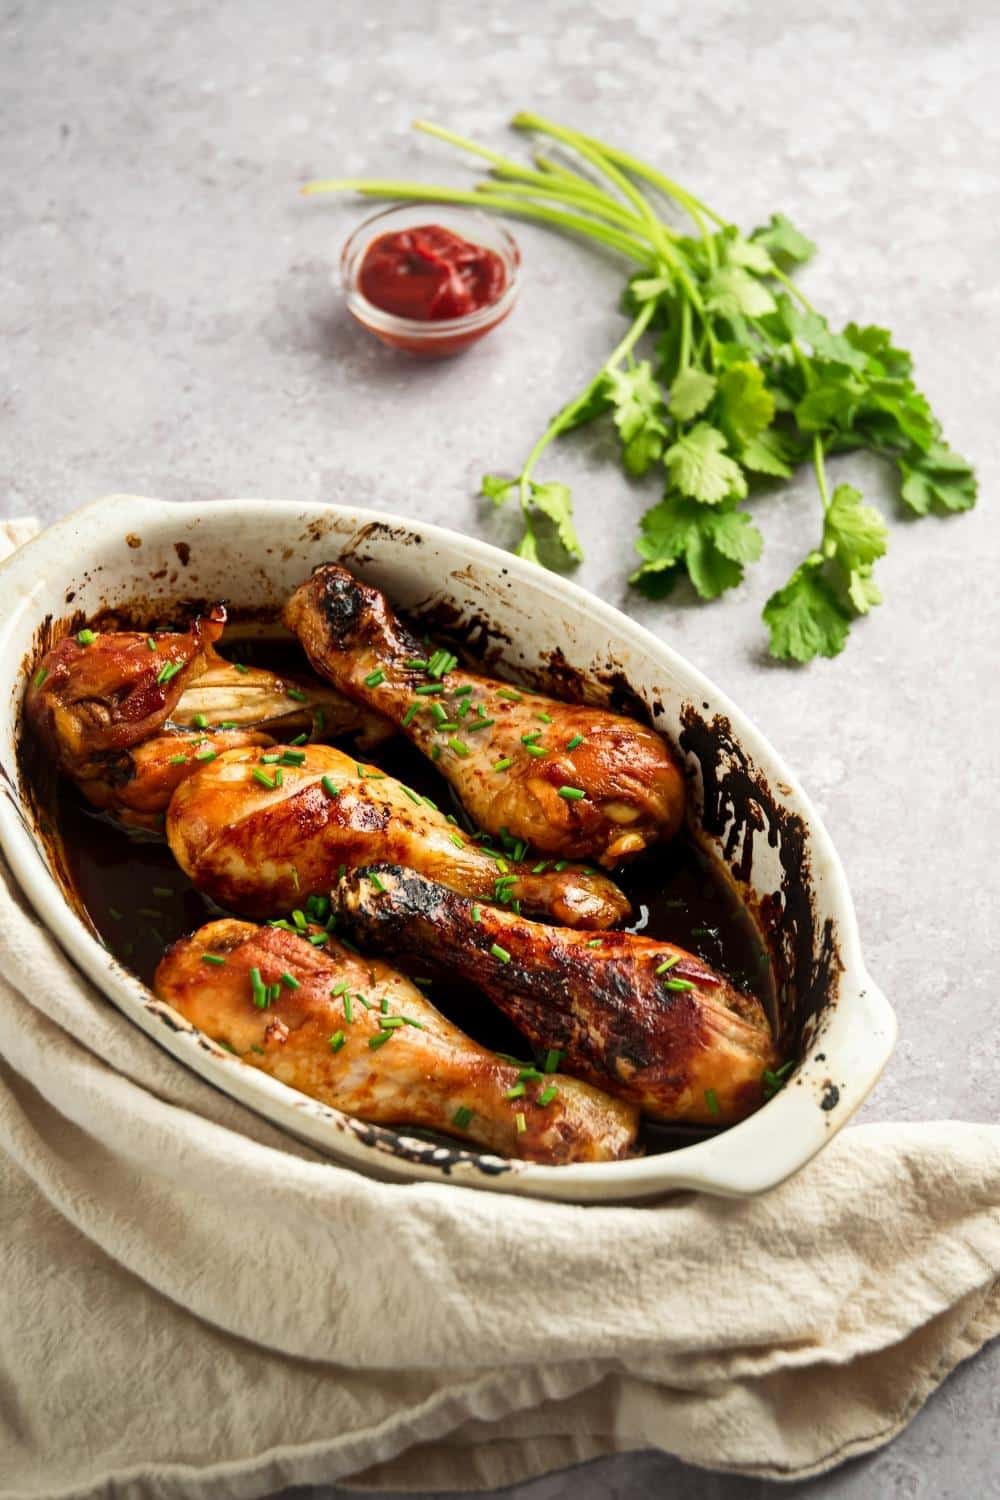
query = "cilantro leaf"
x=494 y=487
x=690 y=394
x=527 y=547
x=805 y=618
x=787 y=246
x=767 y=453
x=937 y=480
x=746 y=406
x=554 y=502
x=862 y=590
x=733 y=292
x=854 y=533
x=713 y=544
x=750 y=254
x=699 y=466
x=638 y=414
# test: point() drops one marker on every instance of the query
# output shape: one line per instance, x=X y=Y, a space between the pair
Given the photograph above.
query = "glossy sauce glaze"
x=139 y=901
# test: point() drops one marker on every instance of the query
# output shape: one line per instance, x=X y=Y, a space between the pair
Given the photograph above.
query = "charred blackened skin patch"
x=343 y=606
x=831 y=1097
x=738 y=804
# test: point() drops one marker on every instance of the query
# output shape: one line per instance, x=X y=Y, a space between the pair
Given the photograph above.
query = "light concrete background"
x=169 y=326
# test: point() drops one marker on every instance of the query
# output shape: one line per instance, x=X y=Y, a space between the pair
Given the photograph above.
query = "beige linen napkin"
x=193 y=1304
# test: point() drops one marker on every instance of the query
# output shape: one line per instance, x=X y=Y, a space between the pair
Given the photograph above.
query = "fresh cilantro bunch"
x=741 y=381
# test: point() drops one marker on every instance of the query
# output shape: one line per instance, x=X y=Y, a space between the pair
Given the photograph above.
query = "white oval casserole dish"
x=747 y=808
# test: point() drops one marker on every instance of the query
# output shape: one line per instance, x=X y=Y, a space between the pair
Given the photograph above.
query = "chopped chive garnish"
x=545 y=718
x=668 y=963
x=712 y=1102
x=594 y=943
x=517 y=1091
x=560 y=865
x=337 y=1041
x=412 y=795
x=348 y=1007
x=409 y=1021
x=341 y=871
x=427 y=688
x=178 y=760
x=329 y=788
x=509 y=694
x=375 y=679
x=520 y=1122
x=383 y=1005
x=162 y=890
x=376 y=883
x=362 y=1001
x=571 y=793
x=270 y=760
x=457 y=840
x=114 y=912
x=299 y=918
x=438 y=713
x=477 y=914
x=536 y=750
x=369 y=771
x=428 y=803
x=500 y=953
x=479 y=724
x=213 y=958
x=255 y=1048
x=462 y=709
x=260 y=993
x=504 y=764
x=416 y=664
x=530 y=1074
x=317 y=939
x=338 y=990
x=239 y=667
x=462 y=1116
x=576 y=740
x=529 y=739
x=677 y=984
x=199 y=721
x=435 y=752
x=86 y=637
x=391 y=1023
x=297 y=695
x=150 y=643
x=279 y=778
x=151 y=912
x=441 y=663
x=228 y=724
x=263 y=778
x=379 y=1039
x=446 y=726
x=553 y=1057
x=274 y=991
x=289 y=981
x=206 y=754
x=410 y=715
x=292 y=758
x=540 y=867
x=40 y=677
x=168 y=670
x=548 y=1094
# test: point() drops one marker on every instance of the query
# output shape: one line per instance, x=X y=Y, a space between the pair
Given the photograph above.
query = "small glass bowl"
x=446 y=335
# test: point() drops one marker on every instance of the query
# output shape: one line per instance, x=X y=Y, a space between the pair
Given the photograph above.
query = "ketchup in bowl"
x=430 y=287
x=429 y=273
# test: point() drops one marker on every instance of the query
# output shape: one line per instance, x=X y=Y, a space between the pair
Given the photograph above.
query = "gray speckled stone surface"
x=168 y=326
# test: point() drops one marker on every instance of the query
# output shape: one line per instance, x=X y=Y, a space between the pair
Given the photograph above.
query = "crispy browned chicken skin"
x=571 y=780
x=316 y=1035
x=263 y=849
x=90 y=701
x=642 y=1019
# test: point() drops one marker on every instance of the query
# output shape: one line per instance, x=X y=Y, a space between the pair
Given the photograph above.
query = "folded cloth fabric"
x=193 y=1304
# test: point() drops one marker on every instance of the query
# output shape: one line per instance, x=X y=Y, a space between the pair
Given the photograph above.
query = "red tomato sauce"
x=430 y=274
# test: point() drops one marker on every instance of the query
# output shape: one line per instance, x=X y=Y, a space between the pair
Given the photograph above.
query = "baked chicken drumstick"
x=129 y=715
x=571 y=780
x=641 y=1019
x=357 y=1035
x=261 y=830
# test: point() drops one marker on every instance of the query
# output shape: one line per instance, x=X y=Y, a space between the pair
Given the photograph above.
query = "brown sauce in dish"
x=139 y=900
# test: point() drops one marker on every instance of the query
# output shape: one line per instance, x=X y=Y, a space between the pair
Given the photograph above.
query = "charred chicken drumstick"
x=641 y=1019
x=571 y=780
x=357 y=1035
x=261 y=830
